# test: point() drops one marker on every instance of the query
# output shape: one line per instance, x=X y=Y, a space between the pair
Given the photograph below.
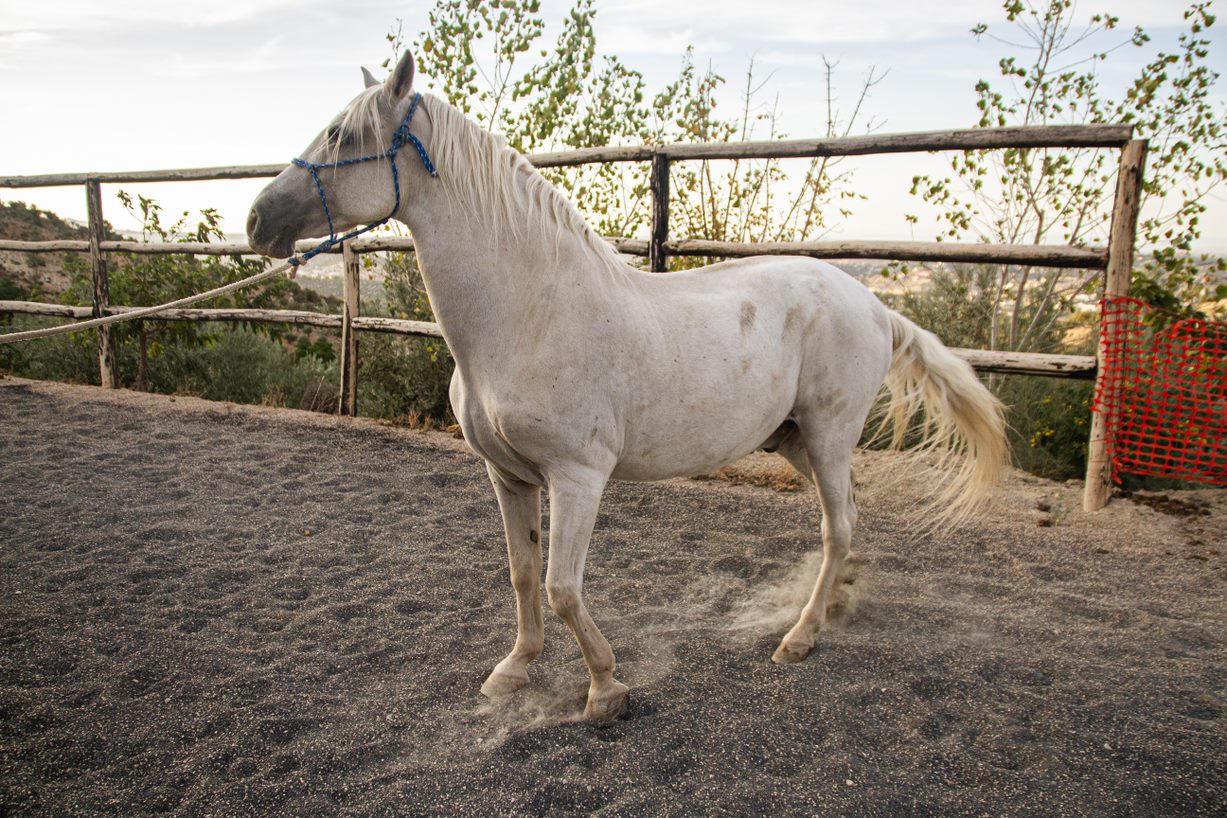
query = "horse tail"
x=963 y=426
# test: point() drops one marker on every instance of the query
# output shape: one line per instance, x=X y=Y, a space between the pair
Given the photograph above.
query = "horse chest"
x=523 y=429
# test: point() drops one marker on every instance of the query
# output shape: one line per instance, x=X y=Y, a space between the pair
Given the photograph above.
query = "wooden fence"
x=1116 y=259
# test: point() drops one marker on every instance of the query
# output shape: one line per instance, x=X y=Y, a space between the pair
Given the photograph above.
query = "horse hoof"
x=501 y=683
x=789 y=653
x=609 y=705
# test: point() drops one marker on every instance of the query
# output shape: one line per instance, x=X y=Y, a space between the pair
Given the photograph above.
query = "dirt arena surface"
x=217 y=610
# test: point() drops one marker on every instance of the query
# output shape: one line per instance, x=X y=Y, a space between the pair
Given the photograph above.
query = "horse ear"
x=398 y=85
x=368 y=78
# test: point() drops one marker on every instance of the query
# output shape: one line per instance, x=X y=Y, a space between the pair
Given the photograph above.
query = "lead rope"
x=399 y=138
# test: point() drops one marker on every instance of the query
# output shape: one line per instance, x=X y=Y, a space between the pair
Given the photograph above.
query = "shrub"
x=404 y=379
x=245 y=366
x=72 y=358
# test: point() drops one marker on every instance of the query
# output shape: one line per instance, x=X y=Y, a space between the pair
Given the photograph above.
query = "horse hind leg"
x=829 y=464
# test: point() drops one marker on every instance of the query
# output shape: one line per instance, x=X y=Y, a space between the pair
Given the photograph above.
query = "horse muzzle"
x=271 y=233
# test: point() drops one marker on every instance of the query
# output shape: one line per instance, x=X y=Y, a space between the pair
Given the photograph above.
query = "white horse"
x=573 y=368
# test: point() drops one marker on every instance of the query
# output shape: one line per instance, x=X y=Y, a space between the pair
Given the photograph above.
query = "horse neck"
x=491 y=279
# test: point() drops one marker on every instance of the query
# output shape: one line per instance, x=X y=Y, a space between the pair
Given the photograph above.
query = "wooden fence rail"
x=657 y=248
x=1039 y=255
x=983 y=360
x=1030 y=136
x=366 y=323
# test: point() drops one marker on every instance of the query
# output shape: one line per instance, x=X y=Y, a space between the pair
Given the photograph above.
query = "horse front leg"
x=520 y=505
x=573 y=508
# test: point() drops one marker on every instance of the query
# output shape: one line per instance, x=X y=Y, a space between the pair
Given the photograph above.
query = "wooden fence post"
x=108 y=364
x=658 y=262
x=1129 y=177
x=348 y=404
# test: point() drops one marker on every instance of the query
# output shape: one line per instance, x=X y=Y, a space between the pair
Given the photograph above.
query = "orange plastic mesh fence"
x=1162 y=391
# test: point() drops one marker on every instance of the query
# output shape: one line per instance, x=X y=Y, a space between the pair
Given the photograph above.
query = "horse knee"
x=524 y=581
x=564 y=598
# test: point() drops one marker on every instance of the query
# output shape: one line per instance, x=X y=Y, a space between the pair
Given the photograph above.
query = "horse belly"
x=706 y=422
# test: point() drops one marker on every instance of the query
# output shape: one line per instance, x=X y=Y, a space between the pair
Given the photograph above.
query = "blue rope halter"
x=399 y=138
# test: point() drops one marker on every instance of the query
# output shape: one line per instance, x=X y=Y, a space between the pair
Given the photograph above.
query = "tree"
x=487 y=59
x=1065 y=195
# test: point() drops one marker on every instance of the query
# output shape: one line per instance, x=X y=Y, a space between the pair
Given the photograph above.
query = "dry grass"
x=762 y=470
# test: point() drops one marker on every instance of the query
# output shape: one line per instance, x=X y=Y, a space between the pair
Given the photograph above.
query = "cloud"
x=649 y=26
x=783 y=22
x=92 y=15
x=231 y=38
x=22 y=39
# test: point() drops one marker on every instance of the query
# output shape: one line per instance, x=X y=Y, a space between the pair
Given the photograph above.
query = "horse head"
x=352 y=172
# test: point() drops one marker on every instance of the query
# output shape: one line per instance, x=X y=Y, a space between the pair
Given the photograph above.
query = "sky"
x=110 y=85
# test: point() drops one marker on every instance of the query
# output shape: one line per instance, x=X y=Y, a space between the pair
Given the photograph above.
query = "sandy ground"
x=215 y=610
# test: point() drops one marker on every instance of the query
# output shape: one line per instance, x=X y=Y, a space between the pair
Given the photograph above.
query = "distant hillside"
x=41 y=276
x=25 y=273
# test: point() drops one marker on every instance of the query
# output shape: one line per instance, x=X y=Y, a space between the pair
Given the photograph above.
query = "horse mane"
x=500 y=185
x=479 y=170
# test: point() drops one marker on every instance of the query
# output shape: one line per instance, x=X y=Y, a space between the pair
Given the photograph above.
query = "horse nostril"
x=253 y=219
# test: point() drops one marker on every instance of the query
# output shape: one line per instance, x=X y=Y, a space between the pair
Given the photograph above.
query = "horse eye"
x=333 y=130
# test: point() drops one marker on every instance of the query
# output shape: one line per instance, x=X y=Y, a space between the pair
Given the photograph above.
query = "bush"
x=1049 y=424
x=405 y=379
x=245 y=366
x=9 y=291
x=72 y=358
x=238 y=365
